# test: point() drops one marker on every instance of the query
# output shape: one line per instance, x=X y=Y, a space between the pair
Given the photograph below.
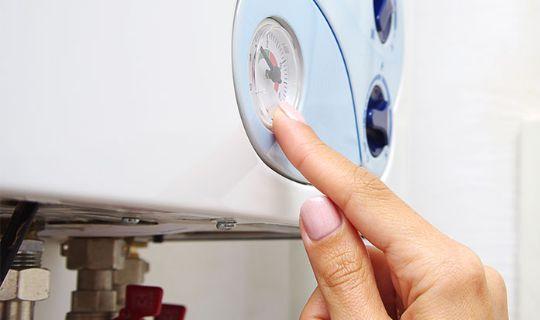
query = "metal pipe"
x=18 y=310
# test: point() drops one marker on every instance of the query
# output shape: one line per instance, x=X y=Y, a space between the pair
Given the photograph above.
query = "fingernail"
x=291 y=112
x=320 y=218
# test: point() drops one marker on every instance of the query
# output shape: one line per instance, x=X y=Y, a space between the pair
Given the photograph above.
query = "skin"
x=413 y=271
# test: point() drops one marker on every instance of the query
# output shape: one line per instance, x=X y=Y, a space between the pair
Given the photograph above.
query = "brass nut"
x=96 y=253
x=34 y=284
x=133 y=272
x=8 y=291
x=27 y=285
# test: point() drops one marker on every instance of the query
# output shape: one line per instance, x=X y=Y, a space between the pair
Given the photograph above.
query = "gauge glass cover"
x=275 y=67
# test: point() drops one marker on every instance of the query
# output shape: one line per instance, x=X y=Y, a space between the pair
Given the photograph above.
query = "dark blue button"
x=383 y=10
x=377 y=122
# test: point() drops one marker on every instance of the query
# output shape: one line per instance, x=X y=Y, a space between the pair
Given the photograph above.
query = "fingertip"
x=320 y=218
x=287 y=113
x=290 y=132
x=291 y=112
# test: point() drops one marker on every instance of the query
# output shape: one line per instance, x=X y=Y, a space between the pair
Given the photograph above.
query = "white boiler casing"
x=130 y=109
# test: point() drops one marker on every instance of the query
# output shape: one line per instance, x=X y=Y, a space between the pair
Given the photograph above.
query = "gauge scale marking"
x=275 y=69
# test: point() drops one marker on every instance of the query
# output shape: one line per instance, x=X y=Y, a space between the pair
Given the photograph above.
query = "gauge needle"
x=274 y=73
x=266 y=57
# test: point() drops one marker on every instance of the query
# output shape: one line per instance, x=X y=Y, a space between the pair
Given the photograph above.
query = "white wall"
x=472 y=75
x=232 y=280
x=63 y=281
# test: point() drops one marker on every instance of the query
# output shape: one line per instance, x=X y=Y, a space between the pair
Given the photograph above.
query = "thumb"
x=340 y=262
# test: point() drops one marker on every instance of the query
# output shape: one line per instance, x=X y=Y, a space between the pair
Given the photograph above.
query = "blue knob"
x=383 y=10
x=377 y=122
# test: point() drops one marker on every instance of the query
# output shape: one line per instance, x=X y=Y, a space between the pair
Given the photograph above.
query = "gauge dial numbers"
x=275 y=69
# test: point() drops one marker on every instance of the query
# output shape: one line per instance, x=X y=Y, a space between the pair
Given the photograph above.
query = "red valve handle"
x=141 y=301
x=171 y=312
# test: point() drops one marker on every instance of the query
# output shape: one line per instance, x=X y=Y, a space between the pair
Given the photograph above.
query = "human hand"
x=412 y=272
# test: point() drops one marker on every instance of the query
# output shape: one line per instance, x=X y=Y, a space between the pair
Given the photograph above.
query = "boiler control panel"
x=338 y=63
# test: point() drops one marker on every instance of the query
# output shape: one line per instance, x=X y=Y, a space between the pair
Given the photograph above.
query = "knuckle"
x=496 y=280
x=474 y=277
x=345 y=271
x=471 y=265
x=465 y=269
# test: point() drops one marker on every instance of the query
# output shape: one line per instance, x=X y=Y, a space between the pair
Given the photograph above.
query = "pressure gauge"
x=275 y=69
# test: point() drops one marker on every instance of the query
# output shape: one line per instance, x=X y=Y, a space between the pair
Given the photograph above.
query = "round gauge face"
x=275 y=69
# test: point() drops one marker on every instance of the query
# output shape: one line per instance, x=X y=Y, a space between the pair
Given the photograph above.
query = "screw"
x=225 y=224
x=130 y=220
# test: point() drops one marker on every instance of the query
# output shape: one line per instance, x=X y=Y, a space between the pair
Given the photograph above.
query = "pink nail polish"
x=291 y=112
x=320 y=218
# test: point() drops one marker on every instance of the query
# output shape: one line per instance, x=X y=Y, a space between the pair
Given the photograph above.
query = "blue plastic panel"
x=327 y=102
x=369 y=62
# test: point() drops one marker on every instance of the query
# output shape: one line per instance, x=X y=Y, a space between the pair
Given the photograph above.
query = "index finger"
x=382 y=217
